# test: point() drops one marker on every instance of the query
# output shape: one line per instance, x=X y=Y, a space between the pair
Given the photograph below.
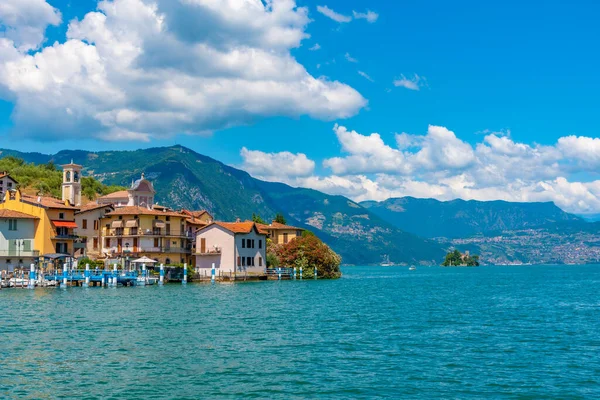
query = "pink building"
x=234 y=247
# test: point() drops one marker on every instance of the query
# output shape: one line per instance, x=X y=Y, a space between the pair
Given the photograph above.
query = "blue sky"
x=524 y=73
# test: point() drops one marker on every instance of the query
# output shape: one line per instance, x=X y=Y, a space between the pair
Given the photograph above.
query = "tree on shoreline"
x=307 y=252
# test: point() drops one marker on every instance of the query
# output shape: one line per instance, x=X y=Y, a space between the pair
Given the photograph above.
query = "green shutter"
x=26 y=245
x=12 y=247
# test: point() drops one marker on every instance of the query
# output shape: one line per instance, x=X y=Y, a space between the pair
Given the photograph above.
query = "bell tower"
x=71 y=187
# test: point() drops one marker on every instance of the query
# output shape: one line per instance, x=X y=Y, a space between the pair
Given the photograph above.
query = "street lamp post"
x=126 y=257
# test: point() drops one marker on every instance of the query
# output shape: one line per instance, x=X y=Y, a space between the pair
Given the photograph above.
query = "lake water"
x=488 y=332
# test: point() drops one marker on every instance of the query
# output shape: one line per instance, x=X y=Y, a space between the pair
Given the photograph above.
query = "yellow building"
x=135 y=231
x=56 y=221
x=280 y=233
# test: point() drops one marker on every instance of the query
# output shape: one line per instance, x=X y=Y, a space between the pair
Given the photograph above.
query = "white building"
x=6 y=183
x=17 y=232
x=234 y=247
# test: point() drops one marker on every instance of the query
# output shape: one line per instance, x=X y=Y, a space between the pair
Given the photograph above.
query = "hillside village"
x=123 y=226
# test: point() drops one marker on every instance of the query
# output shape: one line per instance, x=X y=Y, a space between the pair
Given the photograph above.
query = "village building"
x=6 y=183
x=71 y=186
x=281 y=233
x=88 y=220
x=54 y=232
x=17 y=240
x=134 y=231
x=233 y=247
x=140 y=194
x=195 y=220
x=137 y=227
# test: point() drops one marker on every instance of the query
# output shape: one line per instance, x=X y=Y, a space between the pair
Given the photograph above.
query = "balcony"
x=65 y=237
x=125 y=232
x=19 y=253
x=215 y=251
x=142 y=250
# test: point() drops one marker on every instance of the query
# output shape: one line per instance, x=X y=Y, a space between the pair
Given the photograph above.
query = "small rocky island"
x=457 y=259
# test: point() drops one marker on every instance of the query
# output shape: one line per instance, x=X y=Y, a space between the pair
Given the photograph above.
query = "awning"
x=132 y=223
x=144 y=260
x=159 y=224
x=117 y=224
x=65 y=224
x=56 y=256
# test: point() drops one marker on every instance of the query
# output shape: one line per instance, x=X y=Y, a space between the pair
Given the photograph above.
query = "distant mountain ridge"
x=465 y=218
x=186 y=179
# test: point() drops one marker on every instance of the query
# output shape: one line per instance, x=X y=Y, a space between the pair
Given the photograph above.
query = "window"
x=260 y=261
x=243 y=261
x=9 y=184
x=259 y=244
x=12 y=224
x=95 y=243
x=253 y=244
x=285 y=238
x=106 y=243
x=156 y=242
x=95 y=224
x=84 y=224
x=120 y=217
x=243 y=243
x=249 y=261
x=168 y=218
x=61 y=215
x=239 y=261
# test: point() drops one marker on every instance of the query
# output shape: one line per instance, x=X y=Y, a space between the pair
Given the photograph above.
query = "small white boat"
x=412 y=268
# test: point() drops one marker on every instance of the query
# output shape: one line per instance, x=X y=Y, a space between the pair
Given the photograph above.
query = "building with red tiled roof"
x=17 y=239
x=233 y=247
x=54 y=222
x=88 y=220
x=281 y=233
x=135 y=231
x=141 y=193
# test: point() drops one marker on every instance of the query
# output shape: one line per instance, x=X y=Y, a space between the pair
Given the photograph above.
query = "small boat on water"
x=412 y=268
x=385 y=262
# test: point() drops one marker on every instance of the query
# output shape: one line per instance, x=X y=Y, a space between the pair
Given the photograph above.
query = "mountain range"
x=183 y=178
x=404 y=230
x=459 y=218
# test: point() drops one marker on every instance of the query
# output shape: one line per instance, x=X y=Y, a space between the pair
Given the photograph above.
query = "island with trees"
x=457 y=259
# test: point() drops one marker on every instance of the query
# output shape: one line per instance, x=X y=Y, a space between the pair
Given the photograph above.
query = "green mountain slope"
x=185 y=179
x=460 y=218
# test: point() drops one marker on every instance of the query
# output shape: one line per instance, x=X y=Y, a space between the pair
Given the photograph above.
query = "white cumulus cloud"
x=24 y=22
x=276 y=166
x=144 y=69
